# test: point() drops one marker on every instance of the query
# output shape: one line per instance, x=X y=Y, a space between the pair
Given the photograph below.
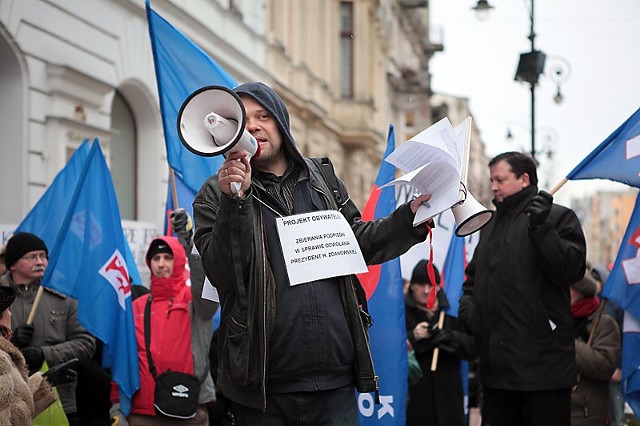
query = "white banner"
x=319 y=245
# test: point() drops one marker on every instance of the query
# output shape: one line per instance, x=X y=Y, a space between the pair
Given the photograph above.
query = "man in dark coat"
x=296 y=353
x=516 y=299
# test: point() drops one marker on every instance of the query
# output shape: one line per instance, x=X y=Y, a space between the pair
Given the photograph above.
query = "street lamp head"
x=530 y=66
x=482 y=9
x=558 y=98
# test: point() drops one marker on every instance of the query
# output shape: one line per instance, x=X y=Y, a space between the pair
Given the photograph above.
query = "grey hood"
x=269 y=99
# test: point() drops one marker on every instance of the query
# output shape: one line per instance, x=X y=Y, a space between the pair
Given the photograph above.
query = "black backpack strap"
x=350 y=212
x=147 y=336
x=325 y=167
x=147 y=342
x=345 y=205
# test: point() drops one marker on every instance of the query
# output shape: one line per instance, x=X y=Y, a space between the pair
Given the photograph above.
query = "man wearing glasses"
x=54 y=335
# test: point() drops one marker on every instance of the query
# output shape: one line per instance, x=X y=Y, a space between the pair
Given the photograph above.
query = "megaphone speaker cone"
x=211 y=121
x=473 y=223
x=470 y=216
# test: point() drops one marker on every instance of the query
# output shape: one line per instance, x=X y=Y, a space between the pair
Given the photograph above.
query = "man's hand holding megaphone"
x=235 y=168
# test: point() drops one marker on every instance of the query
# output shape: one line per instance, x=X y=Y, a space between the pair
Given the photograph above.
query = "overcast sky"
x=600 y=40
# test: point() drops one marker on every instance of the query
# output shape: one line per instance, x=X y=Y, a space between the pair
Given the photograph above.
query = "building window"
x=409 y=119
x=123 y=156
x=346 y=49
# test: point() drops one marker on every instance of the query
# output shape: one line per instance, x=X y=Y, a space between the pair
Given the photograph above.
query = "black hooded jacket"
x=516 y=296
x=241 y=256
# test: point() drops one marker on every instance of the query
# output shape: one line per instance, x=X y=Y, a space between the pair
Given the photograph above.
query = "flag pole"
x=174 y=191
x=558 y=186
x=436 y=351
x=36 y=302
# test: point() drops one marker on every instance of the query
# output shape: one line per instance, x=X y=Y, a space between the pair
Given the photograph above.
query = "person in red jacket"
x=180 y=332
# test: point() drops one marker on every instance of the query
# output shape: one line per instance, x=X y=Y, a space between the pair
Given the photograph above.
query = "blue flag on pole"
x=623 y=288
x=617 y=158
x=623 y=284
x=46 y=217
x=181 y=68
x=453 y=273
x=87 y=262
x=388 y=336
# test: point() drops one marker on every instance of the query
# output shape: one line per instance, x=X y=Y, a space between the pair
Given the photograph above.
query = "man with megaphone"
x=289 y=352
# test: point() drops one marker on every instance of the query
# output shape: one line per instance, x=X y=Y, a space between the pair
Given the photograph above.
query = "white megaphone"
x=470 y=215
x=211 y=122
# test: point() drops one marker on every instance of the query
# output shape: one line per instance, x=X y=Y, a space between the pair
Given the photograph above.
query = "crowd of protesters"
x=547 y=351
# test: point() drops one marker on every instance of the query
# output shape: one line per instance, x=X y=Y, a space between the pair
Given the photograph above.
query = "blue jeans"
x=336 y=407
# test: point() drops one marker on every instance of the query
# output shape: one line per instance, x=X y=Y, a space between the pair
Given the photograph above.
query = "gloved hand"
x=441 y=336
x=181 y=221
x=445 y=340
x=539 y=209
x=34 y=357
x=62 y=374
x=117 y=419
x=183 y=227
x=22 y=336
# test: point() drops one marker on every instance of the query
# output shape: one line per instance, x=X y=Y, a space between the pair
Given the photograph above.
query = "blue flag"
x=181 y=68
x=617 y=158
x=623 y=288
x=87 y=262
x=388 y=336
x=46 y=217
x=453 y=273
x=623 y=284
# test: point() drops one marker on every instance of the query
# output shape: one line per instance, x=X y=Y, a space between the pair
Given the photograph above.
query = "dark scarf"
x=585 y=307
x=581 y=310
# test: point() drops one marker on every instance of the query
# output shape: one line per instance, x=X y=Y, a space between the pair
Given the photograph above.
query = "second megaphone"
x=211 y=122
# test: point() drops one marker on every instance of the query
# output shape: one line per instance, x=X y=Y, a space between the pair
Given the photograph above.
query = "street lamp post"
x=530 y=66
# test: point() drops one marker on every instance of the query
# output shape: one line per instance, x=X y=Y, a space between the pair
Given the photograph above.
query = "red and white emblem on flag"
x=115 y=271
x=631 y=266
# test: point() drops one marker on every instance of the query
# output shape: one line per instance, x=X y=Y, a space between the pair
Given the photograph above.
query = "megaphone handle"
x=235 y=187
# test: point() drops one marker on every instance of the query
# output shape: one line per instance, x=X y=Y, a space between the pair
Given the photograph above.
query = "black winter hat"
x=157 y=246
x=420 y=276
x=20 y=244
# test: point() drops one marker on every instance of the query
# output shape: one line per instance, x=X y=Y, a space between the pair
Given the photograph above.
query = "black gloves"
x=22 y=336
x=62 y=374
x=183 y=227
x=539 y=209
x=34 y=357
x=445 y=340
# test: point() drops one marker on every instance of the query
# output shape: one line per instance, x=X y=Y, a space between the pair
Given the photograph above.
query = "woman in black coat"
x=437 y=398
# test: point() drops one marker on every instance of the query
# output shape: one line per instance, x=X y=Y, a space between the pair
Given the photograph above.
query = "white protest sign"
x=209 y=292
x=319 y=245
